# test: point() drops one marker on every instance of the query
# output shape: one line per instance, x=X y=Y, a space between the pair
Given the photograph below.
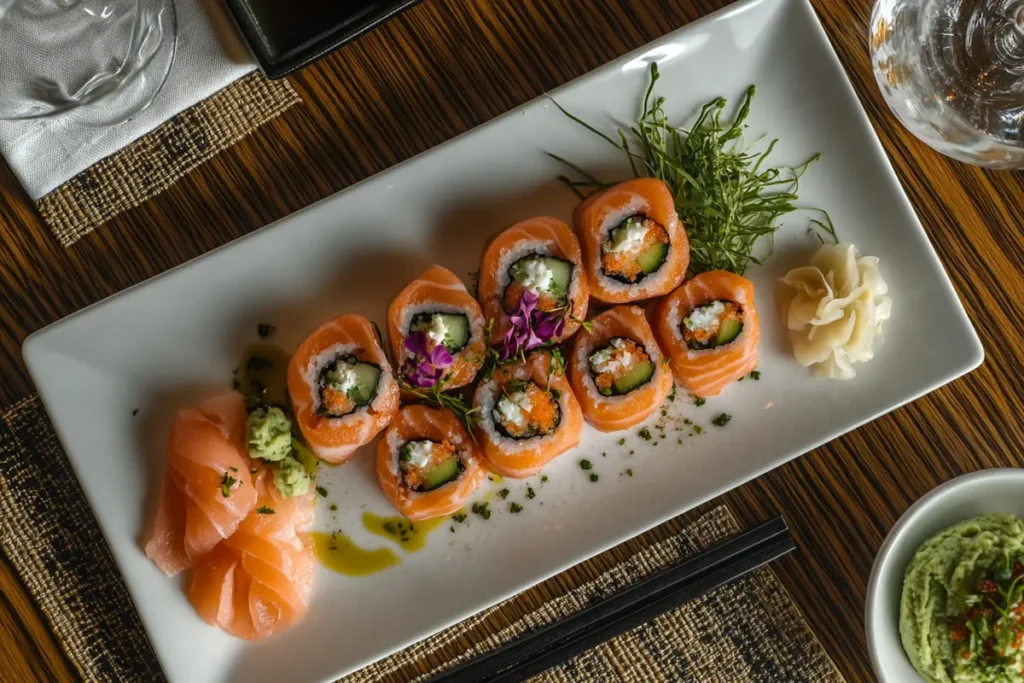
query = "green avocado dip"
x=961 y=613
x=268 y=436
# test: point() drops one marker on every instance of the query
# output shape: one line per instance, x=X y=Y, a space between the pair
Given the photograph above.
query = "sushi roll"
x=710 y=330
x=342 y=388
x=527 y=416
x=634 y=245
x=427 y=464
x=435 y=310
x=533 y=272
x=617 y=371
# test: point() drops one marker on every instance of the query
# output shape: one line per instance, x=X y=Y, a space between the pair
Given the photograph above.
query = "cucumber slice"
x=634 y=379
x=367 y=375
x=456 y=326
x=356 y=378
x=727 y=331
x=650 y=259
x=561 y=274
x=441 y=474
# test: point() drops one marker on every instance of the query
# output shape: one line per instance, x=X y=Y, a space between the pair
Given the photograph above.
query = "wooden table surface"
x=446 y=66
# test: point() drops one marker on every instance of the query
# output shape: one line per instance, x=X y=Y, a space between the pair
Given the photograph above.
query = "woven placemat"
x=747 y=631
x=157 y=160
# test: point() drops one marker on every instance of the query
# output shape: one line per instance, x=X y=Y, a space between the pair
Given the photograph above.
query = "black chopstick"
x=550 y=645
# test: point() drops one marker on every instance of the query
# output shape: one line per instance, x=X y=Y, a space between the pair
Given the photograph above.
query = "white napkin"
x=210 y=55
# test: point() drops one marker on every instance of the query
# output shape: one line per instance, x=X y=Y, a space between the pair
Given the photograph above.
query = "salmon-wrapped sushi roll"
x=634 y=245
x=528 y=415
x=534 y=270
x=436 y=310
x=342 y=388
x=427 y=464
x=710 y=330
x=616 y=371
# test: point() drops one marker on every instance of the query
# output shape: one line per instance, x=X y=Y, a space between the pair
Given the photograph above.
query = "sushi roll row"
x=537 y=281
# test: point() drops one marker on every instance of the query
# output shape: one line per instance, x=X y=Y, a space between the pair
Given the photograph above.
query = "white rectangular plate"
x=173 y=340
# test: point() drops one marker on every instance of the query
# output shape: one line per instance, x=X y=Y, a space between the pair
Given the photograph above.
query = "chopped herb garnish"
x=264 y=510
x=503 y=494
x=482 y=509
x=452 y=528
x=698 y=401
x=697 y=429
x=604 y=455
x=687 y=421
x=543 y=478
x=322 y=491
x=233 y=469
x=265 y=330
x=722 y=420
x=645 y=434
x=629 y=470
x=593 y=477
x=622 y=441
x=515 y=508
x=672 y=394
x=664 y=412
x=586 y=464
x=530 y=494
x=755 y=375
x=226 y=482
x=135 y=412
x=334 y=507
x=459 y=517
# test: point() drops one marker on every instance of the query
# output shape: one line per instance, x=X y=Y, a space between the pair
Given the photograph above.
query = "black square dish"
x=285 y=35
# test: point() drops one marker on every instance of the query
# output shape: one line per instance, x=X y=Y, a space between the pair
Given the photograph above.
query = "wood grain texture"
x=448 y=65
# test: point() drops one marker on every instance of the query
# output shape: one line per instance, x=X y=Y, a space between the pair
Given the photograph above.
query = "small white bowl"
x=978 y=493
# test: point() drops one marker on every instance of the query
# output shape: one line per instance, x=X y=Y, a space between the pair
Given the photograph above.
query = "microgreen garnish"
x=722 y=420
x=264 y=510
x=722 y=193
x=435 y=396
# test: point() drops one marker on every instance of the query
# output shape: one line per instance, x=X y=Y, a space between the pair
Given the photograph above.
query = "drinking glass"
x=97 y=62
x=953 y=72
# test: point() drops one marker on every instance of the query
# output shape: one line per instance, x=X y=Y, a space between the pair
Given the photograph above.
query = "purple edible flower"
x=424 y=367
x=530 y=328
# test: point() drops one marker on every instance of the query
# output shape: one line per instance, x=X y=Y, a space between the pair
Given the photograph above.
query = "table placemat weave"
x=157 y=160
x=749 y=630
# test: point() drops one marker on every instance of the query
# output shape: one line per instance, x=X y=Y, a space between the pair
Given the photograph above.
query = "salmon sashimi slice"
x=439 y=292
x=439 y=426
x=543 y=236
x=616 y=355
x=707 y=371
x=634 y=245
x=259 y=581
x=166 y=547
x=346 y=340
x=207 y=490
x=528 y=415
